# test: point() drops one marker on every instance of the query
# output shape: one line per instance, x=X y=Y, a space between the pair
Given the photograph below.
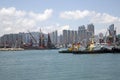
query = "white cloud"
x=12 y=12
x=8 y=29
x=99 y=19
x=92 y=16
x=41 y=17
x=103 y=18
x=74 y=14
x=14 y=21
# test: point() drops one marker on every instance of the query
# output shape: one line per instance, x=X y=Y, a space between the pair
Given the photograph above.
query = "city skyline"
x=51 y=15
x=83 y=35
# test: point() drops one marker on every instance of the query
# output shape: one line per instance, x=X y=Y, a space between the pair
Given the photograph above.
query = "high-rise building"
x=82 y=33
x=112 y=34
x=54 y=37
x=90 y=28
x=10 y=40
x=112 y=31
x=75 y=36
x=65 y=36
x=89 y=35
x=72 y=36
x=81 y=27
x=60 y=39
x=69 y=36
x=51 y=36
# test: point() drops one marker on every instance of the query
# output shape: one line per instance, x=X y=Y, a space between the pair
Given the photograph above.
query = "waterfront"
x=51 y=65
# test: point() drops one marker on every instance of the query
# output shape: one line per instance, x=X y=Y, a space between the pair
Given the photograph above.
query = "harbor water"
x=51 y=65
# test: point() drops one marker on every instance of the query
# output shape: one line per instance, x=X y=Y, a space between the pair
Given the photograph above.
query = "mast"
x=41 y=40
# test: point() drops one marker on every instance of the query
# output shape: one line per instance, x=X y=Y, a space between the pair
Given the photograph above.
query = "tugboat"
x=73 y=48
x=92 y=48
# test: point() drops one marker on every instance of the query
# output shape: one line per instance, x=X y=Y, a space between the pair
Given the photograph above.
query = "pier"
x=11 y=49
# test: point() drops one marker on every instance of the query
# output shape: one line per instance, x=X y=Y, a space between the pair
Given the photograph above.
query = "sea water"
x=51 y=65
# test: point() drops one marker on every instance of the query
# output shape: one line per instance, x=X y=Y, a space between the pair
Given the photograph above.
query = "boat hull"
x=103 y=51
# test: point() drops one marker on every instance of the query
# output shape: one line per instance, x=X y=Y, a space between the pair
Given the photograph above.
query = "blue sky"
x=57 y=15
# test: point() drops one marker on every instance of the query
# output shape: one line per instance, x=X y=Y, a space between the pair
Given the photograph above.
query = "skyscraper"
x=60 y=39
x=112 y=31
x=54 y=37
x=68 y=36
x=90 y=28
x=75 y=36
x=81 y=33
x=65 y=36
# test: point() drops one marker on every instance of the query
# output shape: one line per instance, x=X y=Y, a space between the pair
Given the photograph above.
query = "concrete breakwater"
x=11 y=49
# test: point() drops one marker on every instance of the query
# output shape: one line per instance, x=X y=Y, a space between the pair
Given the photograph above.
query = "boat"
x=92 y=49
x=73 y=48
x=65 y=51
x=101 y=51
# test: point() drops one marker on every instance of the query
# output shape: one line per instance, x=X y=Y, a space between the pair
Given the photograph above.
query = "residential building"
x=90 y=28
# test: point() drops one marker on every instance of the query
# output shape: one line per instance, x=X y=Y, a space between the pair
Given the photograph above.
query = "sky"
x=49 y=15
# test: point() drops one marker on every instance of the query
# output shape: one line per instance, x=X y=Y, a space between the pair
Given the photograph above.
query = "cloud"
x=74 y=14
x=103 y=18
x=11 y=12
x=99 y=19
x=8 y=29
x=41 y=17
x=14 y=21
x=92 y=16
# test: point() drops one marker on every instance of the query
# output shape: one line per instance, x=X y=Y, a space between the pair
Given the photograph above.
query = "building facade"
x=82 y=33
x=54 y=37
x=90 y=28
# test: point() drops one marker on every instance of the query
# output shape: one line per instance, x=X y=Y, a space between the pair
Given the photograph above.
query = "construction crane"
x=32 y=37
x=41 y=40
